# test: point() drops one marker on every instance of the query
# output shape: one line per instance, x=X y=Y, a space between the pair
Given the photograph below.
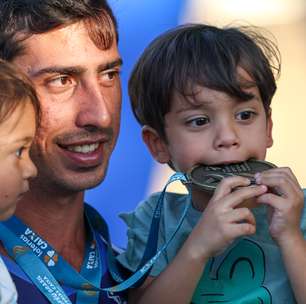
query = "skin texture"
x=16 y=135
x=80 y=94
x=80 y=98
x=215 y=128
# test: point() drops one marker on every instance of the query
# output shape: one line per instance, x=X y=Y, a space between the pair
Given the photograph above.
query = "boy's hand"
x=286 y=201
x=222 y=222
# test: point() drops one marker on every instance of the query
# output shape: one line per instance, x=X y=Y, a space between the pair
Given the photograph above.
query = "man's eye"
x=60 y=83
x=108 y=77
x=199 y=121
x=245 y=115
x=111 y=75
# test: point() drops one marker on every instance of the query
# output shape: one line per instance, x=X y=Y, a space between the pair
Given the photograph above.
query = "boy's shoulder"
x=171 y=199
x=145 y=209
x=303 y=217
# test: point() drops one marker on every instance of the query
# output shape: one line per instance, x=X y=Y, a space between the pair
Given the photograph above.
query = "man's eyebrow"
x=73 y=70
x=110 y=65
x=57 y=70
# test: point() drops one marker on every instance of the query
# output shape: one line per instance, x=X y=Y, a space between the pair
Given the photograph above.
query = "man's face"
x=80 y=93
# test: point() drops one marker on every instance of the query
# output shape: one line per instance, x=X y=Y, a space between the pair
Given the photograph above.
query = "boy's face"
x=16 y=167
x=214 y=128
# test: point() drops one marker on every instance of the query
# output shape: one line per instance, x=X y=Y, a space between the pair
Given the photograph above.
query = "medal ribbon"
x=46 y=267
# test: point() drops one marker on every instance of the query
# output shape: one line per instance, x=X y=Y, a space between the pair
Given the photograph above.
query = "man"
x=69 y=50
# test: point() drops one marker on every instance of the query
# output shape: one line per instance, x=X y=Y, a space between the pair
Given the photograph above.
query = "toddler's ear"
x=156 y=145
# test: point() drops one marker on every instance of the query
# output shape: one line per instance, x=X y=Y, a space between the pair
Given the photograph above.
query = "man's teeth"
x=83 y=148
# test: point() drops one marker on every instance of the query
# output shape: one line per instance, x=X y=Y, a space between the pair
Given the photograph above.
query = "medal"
x=207 y=178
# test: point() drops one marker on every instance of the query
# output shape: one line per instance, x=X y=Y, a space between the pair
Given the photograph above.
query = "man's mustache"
x=93 y=134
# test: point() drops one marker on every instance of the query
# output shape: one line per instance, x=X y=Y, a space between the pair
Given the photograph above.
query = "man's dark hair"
x=201 y=55
x=19 y=19
x=15 y=89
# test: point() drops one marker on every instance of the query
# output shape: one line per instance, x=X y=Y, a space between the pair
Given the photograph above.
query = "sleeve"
x=138 y=225
x=8 y=293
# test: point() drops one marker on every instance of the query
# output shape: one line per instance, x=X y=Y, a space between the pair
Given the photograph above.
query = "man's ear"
x=156 y=145
x=269 y=129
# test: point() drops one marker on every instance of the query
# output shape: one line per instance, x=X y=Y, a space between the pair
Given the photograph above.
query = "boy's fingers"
x=283 y=170
x=228 y=184
x=277 y=177
x=242 y=229
x=270 y=199
x=281 y=182
x=280 y=203
x=244 y=193
x=241 y=215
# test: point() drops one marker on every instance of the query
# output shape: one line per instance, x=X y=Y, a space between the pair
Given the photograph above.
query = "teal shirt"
x=249 y=271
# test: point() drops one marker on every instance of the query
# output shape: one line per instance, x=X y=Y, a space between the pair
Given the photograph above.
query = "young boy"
x=202 y=95
x=19 y=109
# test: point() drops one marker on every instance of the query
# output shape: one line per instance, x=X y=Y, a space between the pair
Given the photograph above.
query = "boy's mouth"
x=230 y=162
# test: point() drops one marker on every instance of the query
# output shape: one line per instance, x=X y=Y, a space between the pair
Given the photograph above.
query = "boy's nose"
x=226 y=137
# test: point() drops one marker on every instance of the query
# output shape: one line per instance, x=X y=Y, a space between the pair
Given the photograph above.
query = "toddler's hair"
x=15 y=89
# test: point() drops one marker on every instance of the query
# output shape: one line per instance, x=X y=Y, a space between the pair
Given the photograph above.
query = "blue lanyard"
x=44 y=280
x=150 y=254
x=91 y=268
x=39 y=260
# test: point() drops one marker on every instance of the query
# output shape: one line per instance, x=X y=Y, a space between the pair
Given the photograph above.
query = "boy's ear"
x=155 y=144
x=269 y=129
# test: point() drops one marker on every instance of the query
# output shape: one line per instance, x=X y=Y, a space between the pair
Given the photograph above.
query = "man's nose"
x=226 y=136
x=93 y=108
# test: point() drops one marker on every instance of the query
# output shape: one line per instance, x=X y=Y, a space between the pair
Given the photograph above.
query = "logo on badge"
x=87 y=288
x=18 y=250
x=51 y=258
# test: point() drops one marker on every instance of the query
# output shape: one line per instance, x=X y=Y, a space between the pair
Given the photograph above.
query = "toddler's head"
x=19 y=115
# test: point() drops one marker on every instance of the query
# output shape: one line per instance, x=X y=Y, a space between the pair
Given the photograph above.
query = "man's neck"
x=59 y=220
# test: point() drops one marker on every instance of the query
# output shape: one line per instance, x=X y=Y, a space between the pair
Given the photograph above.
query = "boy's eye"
x=19 y=152
x=198 y=121
x=245 y=115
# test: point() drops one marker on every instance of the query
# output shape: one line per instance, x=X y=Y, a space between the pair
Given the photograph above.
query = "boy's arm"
x=286 y=203
x=219 y=226
x=175 y=284
x=294 y=256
